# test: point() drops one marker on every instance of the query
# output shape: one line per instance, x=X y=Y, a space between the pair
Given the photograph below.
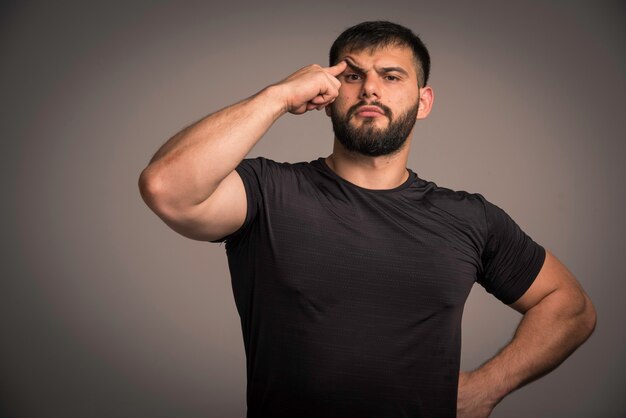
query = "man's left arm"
x=558 y=317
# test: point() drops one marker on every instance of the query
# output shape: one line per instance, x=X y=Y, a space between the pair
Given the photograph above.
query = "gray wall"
x=108 y=312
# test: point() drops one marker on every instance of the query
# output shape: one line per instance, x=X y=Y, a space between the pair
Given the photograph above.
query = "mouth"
x=369 y=112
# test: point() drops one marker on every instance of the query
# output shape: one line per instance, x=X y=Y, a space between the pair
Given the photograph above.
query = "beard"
x=368 y=139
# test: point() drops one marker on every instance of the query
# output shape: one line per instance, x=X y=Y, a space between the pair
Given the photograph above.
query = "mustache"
x=384 y=108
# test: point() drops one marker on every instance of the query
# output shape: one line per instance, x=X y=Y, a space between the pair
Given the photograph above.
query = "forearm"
x=190 y=165
x=547 y=334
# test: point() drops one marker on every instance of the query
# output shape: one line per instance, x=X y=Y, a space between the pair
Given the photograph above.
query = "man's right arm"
x=191 y=182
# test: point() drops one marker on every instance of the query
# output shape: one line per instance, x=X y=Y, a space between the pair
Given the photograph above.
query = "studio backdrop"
x=107 y=312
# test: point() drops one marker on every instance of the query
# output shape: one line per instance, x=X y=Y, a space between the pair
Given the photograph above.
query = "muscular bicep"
x=219 y=215
x=553 y=276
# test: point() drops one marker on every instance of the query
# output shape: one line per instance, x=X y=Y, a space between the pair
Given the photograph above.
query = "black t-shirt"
x=351 y=299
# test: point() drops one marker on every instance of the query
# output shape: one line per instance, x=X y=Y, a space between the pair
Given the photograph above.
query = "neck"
x=376 y=173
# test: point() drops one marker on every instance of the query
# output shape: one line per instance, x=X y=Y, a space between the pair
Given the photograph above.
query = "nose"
x=370 y=87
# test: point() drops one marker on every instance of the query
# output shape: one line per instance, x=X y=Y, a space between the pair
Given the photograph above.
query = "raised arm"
x=558 y=318
x=191 y=182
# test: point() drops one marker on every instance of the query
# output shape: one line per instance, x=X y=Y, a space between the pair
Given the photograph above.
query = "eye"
x=353 y=77
x=392 y=78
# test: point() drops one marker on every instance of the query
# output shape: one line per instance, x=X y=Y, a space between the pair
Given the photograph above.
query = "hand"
x=473 y=400
x=311 y=87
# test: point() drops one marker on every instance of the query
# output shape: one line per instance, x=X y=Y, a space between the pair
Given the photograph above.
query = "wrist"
x=493 y=387
x=274 y=97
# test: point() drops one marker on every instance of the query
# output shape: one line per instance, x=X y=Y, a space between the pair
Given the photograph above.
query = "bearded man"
x=350 y=272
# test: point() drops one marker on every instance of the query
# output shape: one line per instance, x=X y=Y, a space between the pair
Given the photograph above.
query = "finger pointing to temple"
x=337 y=69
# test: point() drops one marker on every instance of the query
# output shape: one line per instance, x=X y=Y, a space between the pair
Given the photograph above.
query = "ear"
x=427 y=96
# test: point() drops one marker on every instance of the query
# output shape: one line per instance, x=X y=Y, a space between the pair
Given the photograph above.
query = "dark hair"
x=380 y=33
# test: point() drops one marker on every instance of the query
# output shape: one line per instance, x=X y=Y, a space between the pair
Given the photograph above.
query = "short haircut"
x=378 y=34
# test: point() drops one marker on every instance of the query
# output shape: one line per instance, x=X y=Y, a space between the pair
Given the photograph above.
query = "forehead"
x=383 y=56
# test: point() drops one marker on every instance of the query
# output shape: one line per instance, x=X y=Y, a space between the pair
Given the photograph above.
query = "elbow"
x=590 y=316
x=149 y=186
x=576 y=309
x=585 y=317
x=157 y=196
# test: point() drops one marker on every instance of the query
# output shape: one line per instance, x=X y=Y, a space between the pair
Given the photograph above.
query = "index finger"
x=337 y=69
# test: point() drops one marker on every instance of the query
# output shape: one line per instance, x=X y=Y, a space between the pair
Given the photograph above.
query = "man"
x=350 y=272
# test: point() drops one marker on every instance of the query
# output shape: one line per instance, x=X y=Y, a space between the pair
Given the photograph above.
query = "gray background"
x=106 y=312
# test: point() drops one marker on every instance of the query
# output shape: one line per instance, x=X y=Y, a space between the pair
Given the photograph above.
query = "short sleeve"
x=510 y=258
x=252 y=172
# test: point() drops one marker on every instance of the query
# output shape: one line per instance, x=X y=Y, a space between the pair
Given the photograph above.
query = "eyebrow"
x=398 y=69
x=355 y=67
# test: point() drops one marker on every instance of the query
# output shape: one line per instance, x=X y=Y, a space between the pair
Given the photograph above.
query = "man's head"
x=380 y=34
x=382 y=90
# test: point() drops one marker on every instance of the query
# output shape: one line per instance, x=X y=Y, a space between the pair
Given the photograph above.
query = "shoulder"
x=271 y=164
x=267 y=167
x=271 y=173
x=461 y=204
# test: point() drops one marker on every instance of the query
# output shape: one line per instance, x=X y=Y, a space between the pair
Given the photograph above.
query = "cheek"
x=340 y=104
x=347 y=93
